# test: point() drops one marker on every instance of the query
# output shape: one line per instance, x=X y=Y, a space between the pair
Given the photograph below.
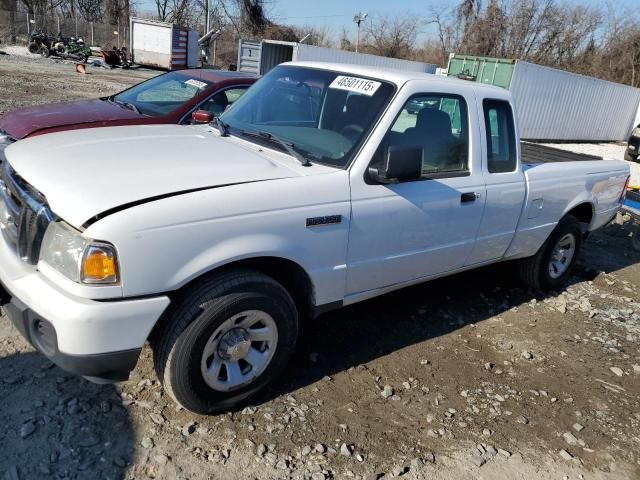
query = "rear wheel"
x=225 y=340
x=551 y=267
x=635 y=239
x=631 y=158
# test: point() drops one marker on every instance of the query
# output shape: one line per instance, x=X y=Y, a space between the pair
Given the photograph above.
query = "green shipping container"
x=492 y=71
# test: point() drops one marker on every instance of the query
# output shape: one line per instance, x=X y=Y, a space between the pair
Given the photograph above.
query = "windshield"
x=323 y=115
x=163 y=94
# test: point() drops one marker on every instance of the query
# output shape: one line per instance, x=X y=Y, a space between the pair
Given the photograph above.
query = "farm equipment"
x=72 y=48
x=39 y=43
x=116 y=57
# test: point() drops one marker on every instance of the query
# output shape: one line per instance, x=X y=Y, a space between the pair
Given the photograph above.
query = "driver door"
x=419 y=229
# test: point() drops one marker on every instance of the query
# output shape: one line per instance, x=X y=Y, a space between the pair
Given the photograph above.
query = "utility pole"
x=359 y=18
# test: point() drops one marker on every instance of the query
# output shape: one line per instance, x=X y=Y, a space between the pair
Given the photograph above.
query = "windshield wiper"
x=289 y=147
x=223 y=128
x=127 y=105
x=131 y=106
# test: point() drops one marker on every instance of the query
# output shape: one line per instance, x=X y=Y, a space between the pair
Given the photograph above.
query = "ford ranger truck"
x=322 y=186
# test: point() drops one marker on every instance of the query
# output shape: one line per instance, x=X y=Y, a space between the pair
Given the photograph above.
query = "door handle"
x=469 y=197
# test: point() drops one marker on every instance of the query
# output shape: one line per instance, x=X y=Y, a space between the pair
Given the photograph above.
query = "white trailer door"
x=419 y=229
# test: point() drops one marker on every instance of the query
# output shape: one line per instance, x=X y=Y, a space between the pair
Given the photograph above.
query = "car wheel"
x=551 y=267
x=225 y=340
x=635 y=239
x=631 y=158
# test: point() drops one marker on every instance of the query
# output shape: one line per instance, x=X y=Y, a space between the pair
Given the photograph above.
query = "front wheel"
x=225 y=340
x=44 y=51
x=551 y=267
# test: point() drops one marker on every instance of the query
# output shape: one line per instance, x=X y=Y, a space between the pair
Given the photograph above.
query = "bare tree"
x=391 y=37
x=90 y=10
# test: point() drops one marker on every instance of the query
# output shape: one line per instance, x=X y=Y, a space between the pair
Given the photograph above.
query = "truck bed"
x=535 y=153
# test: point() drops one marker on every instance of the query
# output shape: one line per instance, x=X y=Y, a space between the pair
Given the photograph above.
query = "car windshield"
x=161 y=95
x=323 y=115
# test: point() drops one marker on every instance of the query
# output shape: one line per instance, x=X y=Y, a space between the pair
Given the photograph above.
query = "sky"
x=336 y=14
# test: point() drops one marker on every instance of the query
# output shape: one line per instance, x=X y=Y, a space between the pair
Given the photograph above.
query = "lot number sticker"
x=355 y=84
x=196 y=83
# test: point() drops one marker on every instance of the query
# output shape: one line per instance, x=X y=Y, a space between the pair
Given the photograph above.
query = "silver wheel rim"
x=239 y=350
x=562 y=255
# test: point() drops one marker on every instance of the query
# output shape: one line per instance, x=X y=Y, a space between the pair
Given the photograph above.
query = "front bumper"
x=91 y=338
x=113 y=366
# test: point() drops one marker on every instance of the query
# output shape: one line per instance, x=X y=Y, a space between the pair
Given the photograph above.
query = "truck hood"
x=86 y=174
x=24 y=122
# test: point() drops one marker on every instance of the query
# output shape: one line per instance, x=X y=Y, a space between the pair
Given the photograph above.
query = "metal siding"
x=193 y=52
x=179 y=48
x=556 y=105
x=249 y=57
x=489 y=70
x=274 y=53
x=323 y=54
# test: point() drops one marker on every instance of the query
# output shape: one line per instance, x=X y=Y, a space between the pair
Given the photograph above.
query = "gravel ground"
x=470 y=377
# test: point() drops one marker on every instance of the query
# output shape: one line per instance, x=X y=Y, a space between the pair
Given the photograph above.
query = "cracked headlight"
x=78 y=258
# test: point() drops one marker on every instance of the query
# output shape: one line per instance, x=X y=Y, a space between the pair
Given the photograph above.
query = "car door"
x=422 y=228
x=504 y=180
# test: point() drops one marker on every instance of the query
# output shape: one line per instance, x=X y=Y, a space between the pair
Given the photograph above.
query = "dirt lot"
x=467 y=377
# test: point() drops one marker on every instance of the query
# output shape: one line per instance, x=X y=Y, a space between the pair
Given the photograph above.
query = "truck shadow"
x=360 y=333
x=56 y=425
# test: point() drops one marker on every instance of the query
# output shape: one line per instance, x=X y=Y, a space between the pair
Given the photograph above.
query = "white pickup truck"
x=324 y=185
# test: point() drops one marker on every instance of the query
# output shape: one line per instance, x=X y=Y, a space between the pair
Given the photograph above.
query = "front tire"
x=551 y=267
x=225 y=340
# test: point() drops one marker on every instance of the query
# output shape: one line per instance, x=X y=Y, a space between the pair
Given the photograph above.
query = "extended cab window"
x=437 y=124
x=501 y=141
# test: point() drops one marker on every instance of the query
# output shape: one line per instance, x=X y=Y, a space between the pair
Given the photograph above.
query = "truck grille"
x=24 y=215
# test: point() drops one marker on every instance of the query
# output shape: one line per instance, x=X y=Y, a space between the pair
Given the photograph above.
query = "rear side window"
x=501 y=139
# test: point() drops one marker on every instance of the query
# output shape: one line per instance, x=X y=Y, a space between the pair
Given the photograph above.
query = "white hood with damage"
x=84 y=173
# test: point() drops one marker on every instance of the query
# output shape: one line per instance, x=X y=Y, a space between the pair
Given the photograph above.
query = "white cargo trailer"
x=163 y=45
x=260 y=57
x=556 y=105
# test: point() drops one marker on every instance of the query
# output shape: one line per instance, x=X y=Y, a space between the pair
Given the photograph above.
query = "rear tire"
x=551 y=267
x=631 y=158
x=207 y=354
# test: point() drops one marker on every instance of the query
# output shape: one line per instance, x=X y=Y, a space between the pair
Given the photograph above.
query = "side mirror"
x=402 y=164
x=201 y=116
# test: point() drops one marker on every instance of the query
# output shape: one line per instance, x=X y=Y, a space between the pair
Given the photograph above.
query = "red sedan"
x=169 y=98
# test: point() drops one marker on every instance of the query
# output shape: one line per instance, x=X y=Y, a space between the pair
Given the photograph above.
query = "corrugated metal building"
x=260 y=57
x=556 y=105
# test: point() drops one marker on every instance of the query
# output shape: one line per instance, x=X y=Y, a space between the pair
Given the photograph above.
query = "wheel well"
x=583 y=212
x=286 y=272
